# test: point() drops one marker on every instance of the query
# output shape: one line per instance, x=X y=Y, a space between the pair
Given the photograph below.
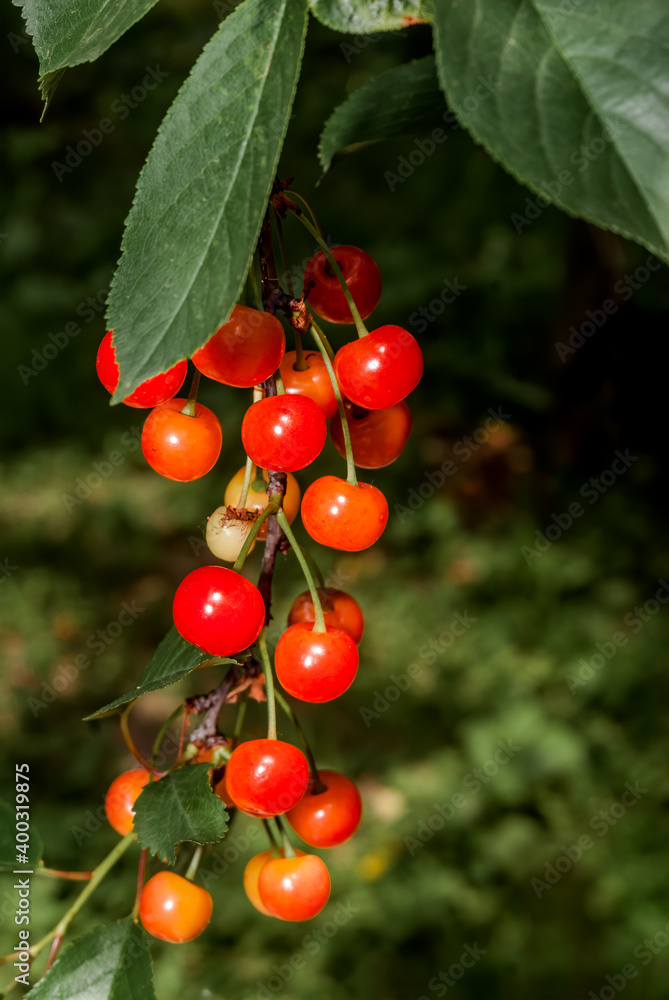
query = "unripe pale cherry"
x=226 y=535
x=258 y=499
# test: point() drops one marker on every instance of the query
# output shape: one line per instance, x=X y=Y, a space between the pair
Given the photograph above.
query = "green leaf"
x=112 y=962
x=10 y=858
x=67 y=34
x=181 y=806
x=572 y=99
x=404 y=99
x=359 y=17
x=203 y=191
x=172 y=661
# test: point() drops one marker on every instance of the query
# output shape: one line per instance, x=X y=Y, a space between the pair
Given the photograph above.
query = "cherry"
x=244 y=351
x=252 y=874
x=258 y=499
x=377 y=436
x=361 y=274
x=121 y=797
x=226 y=535
x=173 y=909
x=221 y=789
x=266 y=777
x=340 y=610
x=284 y=433
x=179 y=446
x=218 y=610
x=327 y=818
x=315 y=666
x=380 y=369
x=343 y=516
x=294 y=888
x=154 y=391
x=313 y=381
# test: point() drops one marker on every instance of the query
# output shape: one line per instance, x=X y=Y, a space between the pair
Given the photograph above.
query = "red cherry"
x=342 y=516
x=173 y=909
x=315 y=666
x=339 y=609
x=244 y=351
x=121 y=797
x=377 y=436
x=379 y=370
x=178 y=446
x=294 y=888
x=361 y=274
x=284 y=433
x=266 y=777
x=153 y=392
x=326 y=819
x=252 y=874
x=313 y=382
x=218 y=610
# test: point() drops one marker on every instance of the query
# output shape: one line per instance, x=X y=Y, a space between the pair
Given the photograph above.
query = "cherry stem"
x=274 y=846
x=194 y=863
x=316 y=568
x=189 y=406
x=130 y=743
x=55 y=945
x=351 y=477
x=288 y=850
x=98 y=875
x=239 y=721
x=57 y=873
x=182 y=735
x=359 y=325
x=300 y=363
x=141 y=873
x=269 y=687
x=317 y=784
x=280 y=387
x=248 y=473
x=309 y=209
x=259 y=484
x=319 y=619
x=157 y=743
x=271 y=508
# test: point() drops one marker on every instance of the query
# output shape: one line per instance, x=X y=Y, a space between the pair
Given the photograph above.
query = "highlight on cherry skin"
x=252 y=874
x=152 y=392
x=266 y=777
x=284 y=433
x=330 y=817
x=313 y=380
x=377 y=437
x=218 y=610
x=121 y=797
x=361 y=274
x=180 y=446
x=174 y=909
x=342 y=516
x=294 y=888
x=340 y=610
x=380 y=369
x=244 y=351
x=315 y=666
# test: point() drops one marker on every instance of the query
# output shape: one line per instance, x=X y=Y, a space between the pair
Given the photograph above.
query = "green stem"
x=288 y=850
x=309 y=209
x=351 y=477
x=248 y=473
x=269 y=687
x=57 y=873
x=194 y=863
x=271 y=508
x=300 y=364
x=280 y=387
x=98 y=875
x=359 y=325
x=271 y=836
x=316 y=568
x=319 y=620
x=189 y=405
x=239 y=721
x=316 y=785
x=163 y=729
x=130 y=743
x=141 y=873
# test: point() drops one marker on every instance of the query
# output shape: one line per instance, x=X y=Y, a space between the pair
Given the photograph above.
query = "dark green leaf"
x=10 y=857
x=112 y=962
x=181 y=806
x=359 y=17
x=404 y=99
x=172 y=661
x=202 y=193
x=572 y=99
x=67 y=34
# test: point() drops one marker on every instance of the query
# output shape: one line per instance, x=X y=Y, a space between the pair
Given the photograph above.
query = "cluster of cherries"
x=361 y=391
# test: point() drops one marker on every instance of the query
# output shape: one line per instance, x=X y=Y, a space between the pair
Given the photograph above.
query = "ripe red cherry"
x=252 y=874
x=340 y=610
x=326 y=819
x=342 y=516
x=179 y=446
x=313 y=381
x=284 y=433
x=294 y=888
x=173 y=909
x=218 y=610
x=266 y=777
x=121 y=797
x=244 y=351
x=153 y=392
x=380 y=369
x=361 y=275
x=377 y=436
x=315 y=666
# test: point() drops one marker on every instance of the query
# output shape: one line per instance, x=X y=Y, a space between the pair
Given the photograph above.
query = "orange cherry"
x=121 y=797
x=173 y=909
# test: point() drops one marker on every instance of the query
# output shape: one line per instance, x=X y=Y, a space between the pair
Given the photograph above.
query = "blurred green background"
x=444 y=863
